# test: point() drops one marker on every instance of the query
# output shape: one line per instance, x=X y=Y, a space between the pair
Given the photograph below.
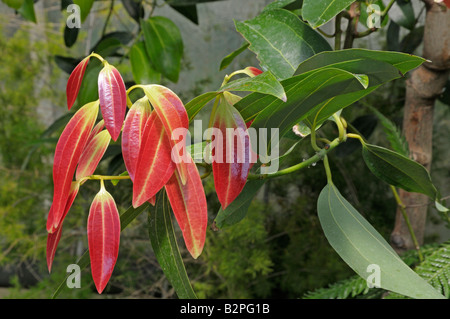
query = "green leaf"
x=165 y=247
x=89 y=86
x=265 y=83
x=164 y=46
x=141 y=67
x=281 y=41
x=278 y=4
x=70 y=36
x=398 y=170
x=196 y=104
x=226 y=61
x=197 y=152
x=361 y=246
x=403 y=62
x=85 y=7
x=238 y=208
x=27 y=10
x=125 y=219
x=319 y=12
x=116 y=181
x=406 y=17
x=304 y=92
x=14 y=4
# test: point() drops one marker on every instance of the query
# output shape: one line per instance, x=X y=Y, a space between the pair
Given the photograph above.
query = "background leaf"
x=398 y=170
x=319 y=12
x=360 y=245
x=281 y=41
x=164 y=46
x=142 y=69
x=165 y=247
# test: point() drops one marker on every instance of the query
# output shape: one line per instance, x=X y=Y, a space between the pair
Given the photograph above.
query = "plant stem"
x=321 y=154
x=327 y=169
x=337 y=32
x=111 y=7
x=408 y=223
x=103 y=177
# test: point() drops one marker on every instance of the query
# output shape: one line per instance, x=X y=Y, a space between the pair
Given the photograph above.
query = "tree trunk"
x=422 y=89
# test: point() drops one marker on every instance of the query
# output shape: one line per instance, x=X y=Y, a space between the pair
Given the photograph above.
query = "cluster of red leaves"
x=148 y=139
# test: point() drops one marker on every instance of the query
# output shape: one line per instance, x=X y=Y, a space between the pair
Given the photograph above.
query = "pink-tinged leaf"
x=152 y=201
x=154 y=166
x=174 y=117
x=252 y=71
x=188 y=203
x=97 y=128
x=113 y=99
x=132 y=133
x=74 y=82
x=92 y=154
x=68 y=151
x=103 y=231
x=53 y=238
x=231 y=153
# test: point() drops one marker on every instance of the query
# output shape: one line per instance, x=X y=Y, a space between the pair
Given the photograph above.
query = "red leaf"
x=188 y=203
x=92 y=154
x=173 y=115
x=74 y=82
x=154 y=166
x=97 y=128
x=252 y=71
x=67 y=154
x=53 y=239
x=231 y=153
x=113 y=99
x=132 y=134
x=103 y=230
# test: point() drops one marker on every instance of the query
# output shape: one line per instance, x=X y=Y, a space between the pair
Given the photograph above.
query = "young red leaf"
x=67 y=154
x=103 y=231
x=173 y=115
x=188 y=203
x=113 y=99
x=53 y=238
x=231 y=153
x=92 y=154
x=97 y=128
x=74 y=82
x=252 y=71
x=132 y=133
x=154 y=166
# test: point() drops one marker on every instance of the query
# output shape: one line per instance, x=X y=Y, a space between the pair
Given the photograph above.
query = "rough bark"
x=423 y=86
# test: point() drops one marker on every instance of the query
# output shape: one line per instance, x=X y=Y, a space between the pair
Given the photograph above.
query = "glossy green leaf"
x=226 y=61
x=196 y=104
x=278 y=4
x=403 y=62
x=398 y=170
x=164 y=46
x=265 y=83
x=304 y=93
x=134 y=8
x=165 y=247
x=281 y=41
x=237 y=210
x=319 y=12
x=141 y=67
x=85 y=7
x=365 y=250
x=89 y=86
